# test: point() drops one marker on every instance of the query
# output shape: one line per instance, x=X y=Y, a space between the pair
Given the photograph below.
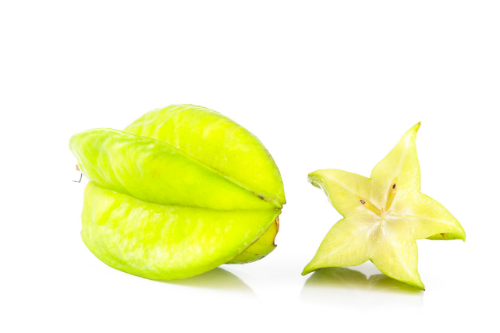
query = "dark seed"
x=394 y=186
x=362 y=201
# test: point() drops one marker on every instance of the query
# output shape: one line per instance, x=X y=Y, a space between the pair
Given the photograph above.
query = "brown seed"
x=362 y=201
x=394 y=186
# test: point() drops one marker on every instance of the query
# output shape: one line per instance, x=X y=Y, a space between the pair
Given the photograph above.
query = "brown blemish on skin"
x=262 y=197
x=442 y=234
x=277 y=221
x=81 y=175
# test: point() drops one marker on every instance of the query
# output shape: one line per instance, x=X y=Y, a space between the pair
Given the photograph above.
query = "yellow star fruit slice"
x=383 y=216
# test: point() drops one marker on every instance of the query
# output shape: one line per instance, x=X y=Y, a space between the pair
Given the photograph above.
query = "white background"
x=324 y=84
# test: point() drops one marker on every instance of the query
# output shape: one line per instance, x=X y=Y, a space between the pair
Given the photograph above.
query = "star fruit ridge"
x=384 y=215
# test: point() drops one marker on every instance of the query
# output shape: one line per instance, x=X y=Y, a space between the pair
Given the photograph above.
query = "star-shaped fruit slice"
x=383 y=216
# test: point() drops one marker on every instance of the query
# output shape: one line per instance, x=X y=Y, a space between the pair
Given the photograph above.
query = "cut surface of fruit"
x=181 y=191
x=383 y=216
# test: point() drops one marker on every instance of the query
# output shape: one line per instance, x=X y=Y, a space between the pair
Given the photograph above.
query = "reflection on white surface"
x=217 y=278
x=344 y=286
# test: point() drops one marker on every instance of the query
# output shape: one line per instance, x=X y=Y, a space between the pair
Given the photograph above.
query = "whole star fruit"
x=382 y=216
x=180 y=191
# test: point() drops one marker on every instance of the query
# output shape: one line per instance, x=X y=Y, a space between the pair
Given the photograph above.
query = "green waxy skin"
x=262 y=247
x=181 y=191
x=218 y=143
x=165 y=242
x=154 y=171
x=383 y=216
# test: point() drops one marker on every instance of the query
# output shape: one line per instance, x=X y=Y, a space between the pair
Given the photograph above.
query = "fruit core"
x=385 y=211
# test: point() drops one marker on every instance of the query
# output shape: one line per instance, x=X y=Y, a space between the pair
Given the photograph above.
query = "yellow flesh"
x=383 y=216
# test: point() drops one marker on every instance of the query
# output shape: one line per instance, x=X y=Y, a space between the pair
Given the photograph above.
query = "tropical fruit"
x=383 y=216
x=179 y=192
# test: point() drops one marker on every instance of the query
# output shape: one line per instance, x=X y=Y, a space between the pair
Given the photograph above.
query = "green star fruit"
x=179 y=192
x=384 y=215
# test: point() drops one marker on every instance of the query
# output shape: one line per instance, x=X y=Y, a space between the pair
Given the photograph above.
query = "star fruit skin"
x=181 y=191
x=362 y=235
x=170 y=129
